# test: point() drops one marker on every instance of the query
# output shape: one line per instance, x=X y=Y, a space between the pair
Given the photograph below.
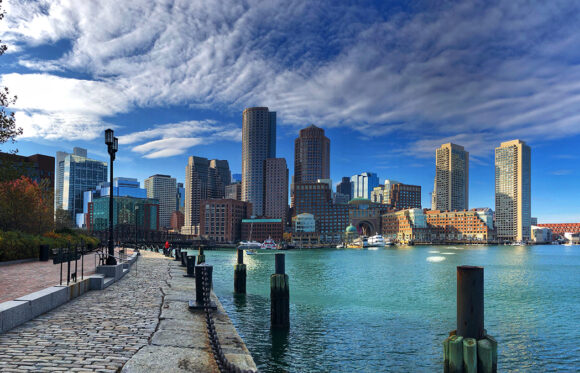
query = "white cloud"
x=167 y=147
x=473 y=72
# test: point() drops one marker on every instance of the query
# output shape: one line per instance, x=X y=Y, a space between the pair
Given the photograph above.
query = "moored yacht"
x=269 y=244
x=376 y=241
x=248 y=245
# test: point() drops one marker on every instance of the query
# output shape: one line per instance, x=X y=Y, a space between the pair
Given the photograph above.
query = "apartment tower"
x=513 y=191
x=163 y=188
x=451 y=189
x=258 y=144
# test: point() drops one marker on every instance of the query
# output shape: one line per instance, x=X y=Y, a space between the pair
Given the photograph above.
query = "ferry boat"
x=376 y=241
x=248 y=245
x=269 y=244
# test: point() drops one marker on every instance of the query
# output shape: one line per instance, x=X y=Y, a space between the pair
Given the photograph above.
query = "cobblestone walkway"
x=99 y=331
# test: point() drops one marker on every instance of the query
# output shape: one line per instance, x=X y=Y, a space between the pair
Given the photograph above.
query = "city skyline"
x=385 y=109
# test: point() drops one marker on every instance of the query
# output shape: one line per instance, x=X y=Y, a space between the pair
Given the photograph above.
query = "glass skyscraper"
x=362 y=185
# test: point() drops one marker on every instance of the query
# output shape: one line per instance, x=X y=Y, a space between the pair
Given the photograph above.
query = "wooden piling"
x=240 y=274
x=487 y=355
x=469 y=355
x=470 y=302
x=455 y=354
x=279 y=296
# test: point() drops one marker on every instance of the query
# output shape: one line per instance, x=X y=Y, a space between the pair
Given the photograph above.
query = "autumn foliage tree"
x=26 y=206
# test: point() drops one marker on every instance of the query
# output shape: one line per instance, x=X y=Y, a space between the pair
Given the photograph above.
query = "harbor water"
x=389 y=310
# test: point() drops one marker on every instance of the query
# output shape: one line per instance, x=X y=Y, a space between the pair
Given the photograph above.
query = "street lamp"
x=136 y=214
x=112 y=146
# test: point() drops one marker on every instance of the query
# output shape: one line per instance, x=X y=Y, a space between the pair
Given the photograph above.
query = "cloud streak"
x=470 y=72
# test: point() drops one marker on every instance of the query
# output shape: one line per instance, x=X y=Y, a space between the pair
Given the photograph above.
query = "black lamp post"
x=136 y=215
x=112 y=146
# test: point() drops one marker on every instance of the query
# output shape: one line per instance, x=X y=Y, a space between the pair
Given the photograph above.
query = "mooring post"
x=177 y=254
x=469 y=348
x=240 y=274
x=279 y=296
x=183 y=258
x=190 y=260
x=201 y=256
x=199 y=280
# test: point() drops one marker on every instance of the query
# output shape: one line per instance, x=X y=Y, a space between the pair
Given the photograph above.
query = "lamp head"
x=115 y=144
x=109 y=138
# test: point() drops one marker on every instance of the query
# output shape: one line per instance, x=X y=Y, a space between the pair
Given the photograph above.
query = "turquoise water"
x=390 y=309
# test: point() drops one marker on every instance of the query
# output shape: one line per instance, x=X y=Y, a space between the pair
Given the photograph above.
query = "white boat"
x=248 y=245
x=269 y=244
x=251 y=252
x=376 y=241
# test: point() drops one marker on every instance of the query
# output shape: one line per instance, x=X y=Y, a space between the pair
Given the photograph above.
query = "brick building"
x=177 y=220
x=561 y=228
x=221 y=219
x=458 y=226
x=262 y=229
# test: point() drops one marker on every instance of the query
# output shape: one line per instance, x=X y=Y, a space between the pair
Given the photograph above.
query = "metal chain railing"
x=223 y=364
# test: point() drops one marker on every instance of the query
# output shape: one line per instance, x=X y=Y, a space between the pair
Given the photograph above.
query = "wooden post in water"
x=469 y=349
x=240 y=274
x=201 y=256
x=279 y=296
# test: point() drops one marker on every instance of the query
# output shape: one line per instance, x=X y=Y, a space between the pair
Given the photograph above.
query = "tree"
x=8 y=129
x=62 y=219
x=26 y=206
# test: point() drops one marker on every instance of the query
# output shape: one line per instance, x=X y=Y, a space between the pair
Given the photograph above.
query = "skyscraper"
x=451 y=189
x=311 y=155
x=204 y=179
x=258 y=144
x=362 y=185
x=275 y=188
x=76 y=174
x=180 y=198
x=513 y=191
x=163 y=188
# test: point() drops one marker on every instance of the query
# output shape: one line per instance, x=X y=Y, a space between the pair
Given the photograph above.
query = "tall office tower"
x=204 y=179
x=75 y=174
x=163 y=188
x=258 y=144
x=362 y=185
x=513 y=191
x=451 y=190
x=275 y=188
x=344 y=187
x=180 y=198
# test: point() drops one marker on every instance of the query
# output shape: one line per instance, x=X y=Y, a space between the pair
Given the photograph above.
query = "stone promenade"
x=101 y=331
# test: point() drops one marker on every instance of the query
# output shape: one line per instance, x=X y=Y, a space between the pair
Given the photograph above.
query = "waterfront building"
x=163 y=189
x=363 y=184
x=365 y=216
x=221 y=219
x=513 y=191
x=275 y=188
x=204 y=179
x=234 y=191
x=180 y=198
x=316 y=199
x=311 y=156
x=446 y=226
x=129 y=213
x=177 y=221
x=406 y=225
x=404 y=196
x=541 y=234
x=558 y=229
x=262 y=229
x=258 y=144
x=573 y=238
x=344 y=187
x=76 y=174
x=304 y=223
x=451 y=190
x=485 y=214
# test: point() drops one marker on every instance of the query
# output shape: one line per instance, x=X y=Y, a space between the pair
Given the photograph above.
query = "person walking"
x=166 y=248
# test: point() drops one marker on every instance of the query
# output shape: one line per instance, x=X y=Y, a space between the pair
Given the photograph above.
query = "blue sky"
x=388 y=81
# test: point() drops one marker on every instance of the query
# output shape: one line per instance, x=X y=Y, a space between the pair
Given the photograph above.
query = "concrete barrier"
x=45 y=300
x=14 y=313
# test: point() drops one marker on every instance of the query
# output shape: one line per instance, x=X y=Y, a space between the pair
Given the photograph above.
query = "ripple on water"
x=434 y=252
x=435 y=259
x=447 y=253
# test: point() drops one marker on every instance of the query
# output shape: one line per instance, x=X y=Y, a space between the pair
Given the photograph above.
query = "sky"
x=389 y=81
